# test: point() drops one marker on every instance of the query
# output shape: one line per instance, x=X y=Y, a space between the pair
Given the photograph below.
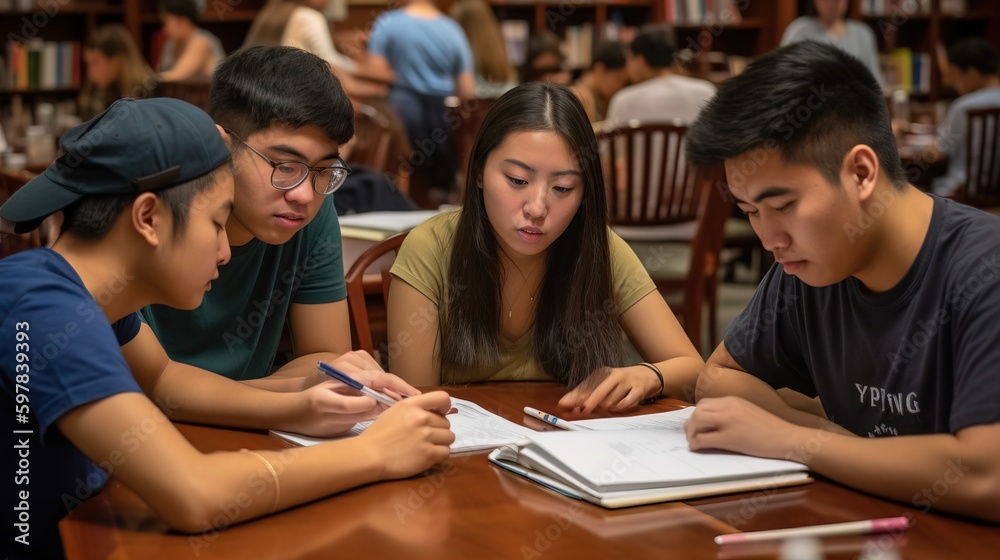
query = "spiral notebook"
x=625 y=467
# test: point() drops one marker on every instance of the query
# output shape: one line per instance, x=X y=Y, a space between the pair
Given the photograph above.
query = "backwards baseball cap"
x=134 y=146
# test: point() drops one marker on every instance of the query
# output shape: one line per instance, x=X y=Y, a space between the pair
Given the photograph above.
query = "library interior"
x=642 y=70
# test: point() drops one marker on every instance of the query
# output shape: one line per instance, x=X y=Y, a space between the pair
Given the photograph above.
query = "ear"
x=225 y=136
x=860 y=171
x=150 y=218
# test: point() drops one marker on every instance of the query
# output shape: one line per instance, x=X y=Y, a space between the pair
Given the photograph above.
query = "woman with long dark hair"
x=527 y=281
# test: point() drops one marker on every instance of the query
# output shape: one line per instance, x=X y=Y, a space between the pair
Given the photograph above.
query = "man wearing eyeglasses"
x=284 y=115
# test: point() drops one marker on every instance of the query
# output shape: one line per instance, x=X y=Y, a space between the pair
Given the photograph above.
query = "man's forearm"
x=927 y=471
x=191 y=394
x=718 y=381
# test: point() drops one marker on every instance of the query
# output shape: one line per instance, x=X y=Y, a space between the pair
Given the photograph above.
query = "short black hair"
x=974 y=52
x=810 y=101
x=611 y=54
x=183 y=8
x=92 y=217
x=655 y=43
x=256 y=87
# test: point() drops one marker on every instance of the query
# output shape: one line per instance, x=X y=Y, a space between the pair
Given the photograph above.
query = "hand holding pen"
x=379 y=396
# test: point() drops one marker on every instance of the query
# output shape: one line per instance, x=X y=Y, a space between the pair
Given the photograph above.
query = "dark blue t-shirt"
x=920 y=358
x=57 y=352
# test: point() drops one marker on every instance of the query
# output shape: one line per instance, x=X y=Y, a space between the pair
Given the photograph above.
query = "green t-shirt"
x=236 y=330
x=423 y=263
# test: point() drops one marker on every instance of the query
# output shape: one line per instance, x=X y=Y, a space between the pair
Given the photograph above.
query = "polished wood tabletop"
x=469 y=508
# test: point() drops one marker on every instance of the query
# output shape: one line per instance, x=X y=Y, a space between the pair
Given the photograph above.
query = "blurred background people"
x=973 y=72
x=659 y=93
x=429 y=58
x=602 y=80
x=189 y=50
x=114 y=69
x=493 y=72
x=301 y=24
x=827 y=23
x=544 y=62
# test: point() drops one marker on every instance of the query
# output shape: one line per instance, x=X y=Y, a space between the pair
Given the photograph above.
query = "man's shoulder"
x=979 y=99
x=859 y=28
x=801 y=28
x=968 y=234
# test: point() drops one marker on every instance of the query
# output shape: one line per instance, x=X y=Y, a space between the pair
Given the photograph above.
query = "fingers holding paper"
x=735 y=424
x=411 y=435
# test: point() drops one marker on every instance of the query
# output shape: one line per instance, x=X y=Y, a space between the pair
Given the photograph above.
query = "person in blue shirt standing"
x=429 y=58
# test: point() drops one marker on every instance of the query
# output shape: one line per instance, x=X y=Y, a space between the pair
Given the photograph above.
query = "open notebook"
x=622 y=462
x=476 y=429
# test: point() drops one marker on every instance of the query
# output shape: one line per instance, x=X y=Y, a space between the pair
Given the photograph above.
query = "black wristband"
x=659 y=376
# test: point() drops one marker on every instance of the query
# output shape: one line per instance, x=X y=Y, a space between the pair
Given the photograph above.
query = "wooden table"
x=471 y=509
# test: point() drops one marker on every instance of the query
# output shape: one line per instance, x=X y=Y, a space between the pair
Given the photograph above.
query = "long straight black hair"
x=576 y=329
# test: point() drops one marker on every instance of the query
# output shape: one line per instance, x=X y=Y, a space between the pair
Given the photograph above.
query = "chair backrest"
x=11 y=243
x=982 y=157
x=372 y=133
x=647 y=175
x=714 y=207
x=193 y=90
x=369 y=276
x=469 y=117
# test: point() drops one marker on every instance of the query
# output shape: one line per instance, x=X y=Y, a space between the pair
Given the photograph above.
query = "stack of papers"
x=476 y=429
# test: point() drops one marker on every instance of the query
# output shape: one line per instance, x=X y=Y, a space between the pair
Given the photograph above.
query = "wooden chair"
x=193 y=90
x=368 y=291
x=469 y=117
x=982 y=160
x=372 y=134
x=11 y=243
x=670 y=213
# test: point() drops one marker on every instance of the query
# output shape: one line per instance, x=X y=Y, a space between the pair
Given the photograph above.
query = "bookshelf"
x=917 y=32
x=41 y=52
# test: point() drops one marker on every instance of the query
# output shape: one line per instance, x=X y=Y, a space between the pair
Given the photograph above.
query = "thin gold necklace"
x=510 y=305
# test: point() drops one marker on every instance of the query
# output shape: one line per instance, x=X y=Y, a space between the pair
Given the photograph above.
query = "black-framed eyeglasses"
x=287 y=175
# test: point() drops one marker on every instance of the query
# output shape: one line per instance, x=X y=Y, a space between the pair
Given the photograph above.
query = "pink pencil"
x=884 y=525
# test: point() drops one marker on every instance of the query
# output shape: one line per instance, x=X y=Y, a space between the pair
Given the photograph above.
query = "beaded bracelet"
x=659 y=376
x=274 y=476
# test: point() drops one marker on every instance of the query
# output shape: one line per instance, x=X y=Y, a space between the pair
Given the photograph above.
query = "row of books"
x=893 y=7
x=41 y=64
x=911 y=7
x=698 y=12
x=906 y=70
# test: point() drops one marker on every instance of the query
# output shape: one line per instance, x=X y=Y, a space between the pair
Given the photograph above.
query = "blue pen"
x=335 y=373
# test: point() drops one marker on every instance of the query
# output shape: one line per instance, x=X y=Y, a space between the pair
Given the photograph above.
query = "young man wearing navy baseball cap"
x=146 y=193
